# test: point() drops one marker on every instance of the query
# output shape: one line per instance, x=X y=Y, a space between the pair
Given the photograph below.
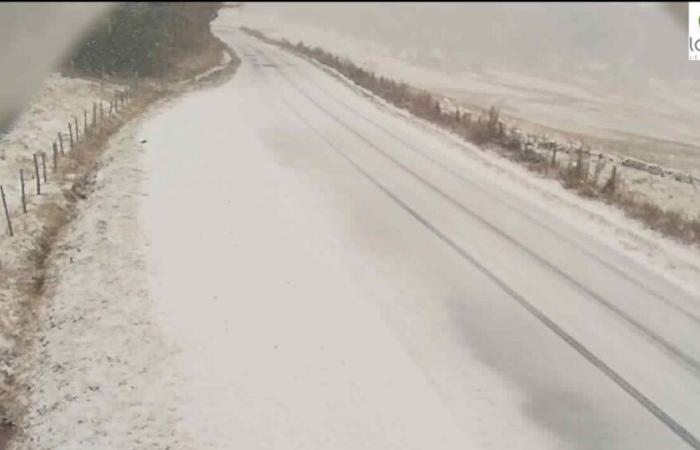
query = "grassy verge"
x=24 y=275
x=581 y=173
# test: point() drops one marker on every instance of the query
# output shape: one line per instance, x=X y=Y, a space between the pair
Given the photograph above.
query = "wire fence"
x=33 y=179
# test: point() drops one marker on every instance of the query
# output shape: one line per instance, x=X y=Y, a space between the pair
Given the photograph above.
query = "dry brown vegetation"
x=487 y=130
x=75 y=176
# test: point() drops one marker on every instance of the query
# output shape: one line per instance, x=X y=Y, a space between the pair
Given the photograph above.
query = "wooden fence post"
x=21 y=183
x=77 y=131
x=70 y=133
x=55 y=158
x=60 y=142
x=36 y=175
x=94 y=115
x=85 y=124
x=7 y=211
x=43 y=165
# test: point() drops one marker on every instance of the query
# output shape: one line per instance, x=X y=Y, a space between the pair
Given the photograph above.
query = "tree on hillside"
x=143 y=37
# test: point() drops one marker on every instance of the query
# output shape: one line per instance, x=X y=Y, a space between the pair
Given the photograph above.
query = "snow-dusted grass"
x=59 y=100
x=22 y=258
x=96 y=339
x=31 y=266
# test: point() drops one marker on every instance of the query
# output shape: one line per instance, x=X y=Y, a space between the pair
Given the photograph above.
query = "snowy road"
x=338 y=277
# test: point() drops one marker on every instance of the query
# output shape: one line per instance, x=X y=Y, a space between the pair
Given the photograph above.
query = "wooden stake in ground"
x=94 y=115
x=43 y=165
x=60 y=142
x=55 y=158
x=36 y=175
x=85 y=123
x=7 y=211
x=21 y=184
x=77 y=132
x=70 y=133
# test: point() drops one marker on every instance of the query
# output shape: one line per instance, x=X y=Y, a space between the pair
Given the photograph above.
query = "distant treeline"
x=144 y=38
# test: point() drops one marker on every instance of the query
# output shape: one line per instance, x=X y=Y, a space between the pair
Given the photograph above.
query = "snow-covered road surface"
x=336 y=277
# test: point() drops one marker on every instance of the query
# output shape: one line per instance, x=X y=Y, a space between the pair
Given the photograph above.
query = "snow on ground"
x=114 y=368
x=57 y=101
x=178 y=314
x=280 y=349
x=98 y=377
